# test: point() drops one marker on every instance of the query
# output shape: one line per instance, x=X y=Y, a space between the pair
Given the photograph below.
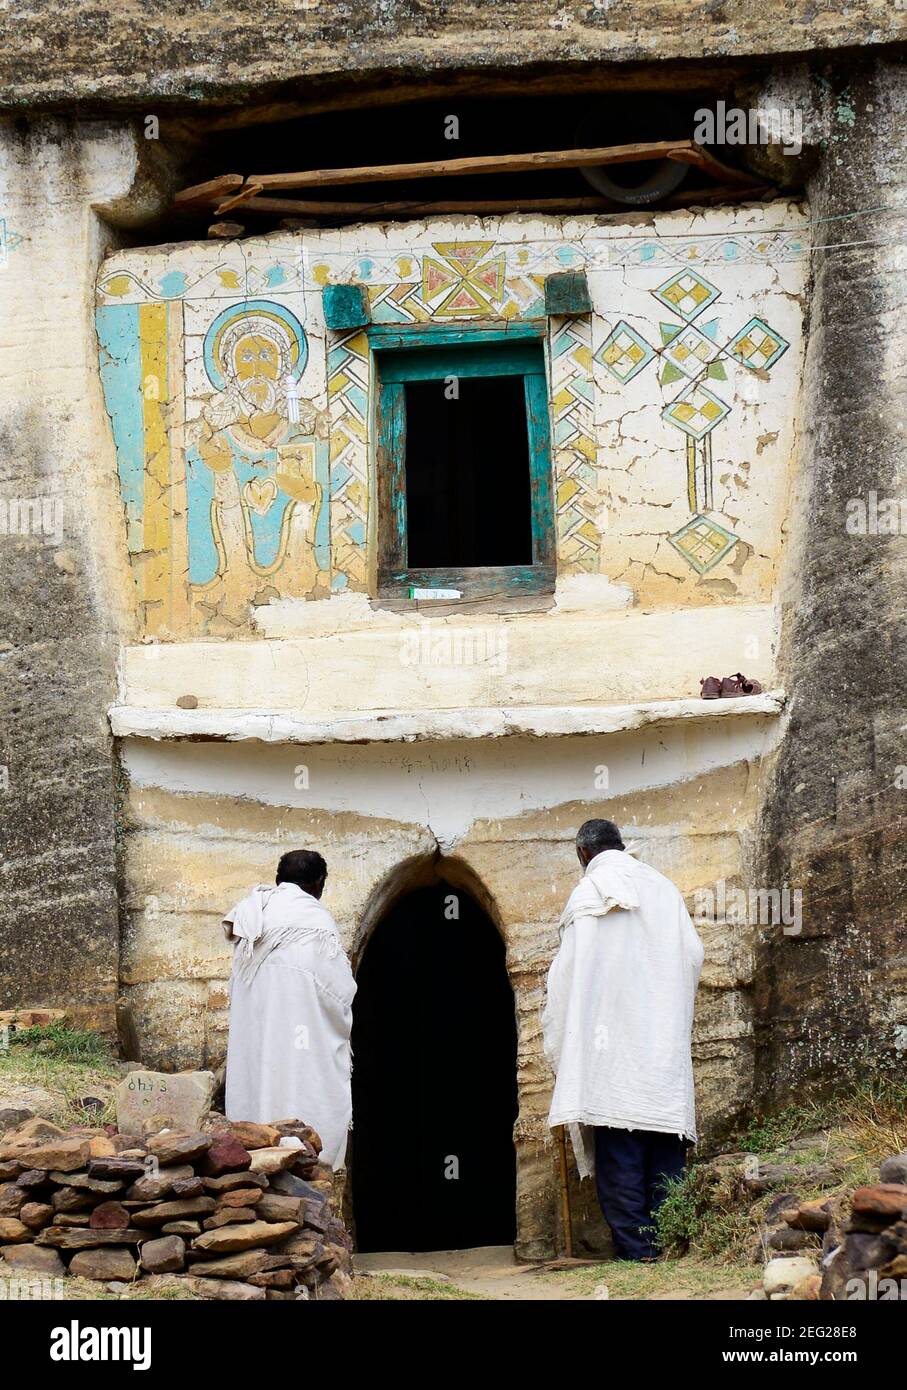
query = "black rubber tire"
x=665 y=178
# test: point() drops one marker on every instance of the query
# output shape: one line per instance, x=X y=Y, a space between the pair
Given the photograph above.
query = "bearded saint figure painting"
x=257 y=465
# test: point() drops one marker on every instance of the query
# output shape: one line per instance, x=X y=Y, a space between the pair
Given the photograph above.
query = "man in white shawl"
x=617 y=1023
x=291 y=996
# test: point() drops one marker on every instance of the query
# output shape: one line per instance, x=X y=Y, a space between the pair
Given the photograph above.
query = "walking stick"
x=565 y=1191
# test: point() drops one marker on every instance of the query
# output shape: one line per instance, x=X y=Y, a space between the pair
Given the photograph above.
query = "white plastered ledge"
x=541 y=721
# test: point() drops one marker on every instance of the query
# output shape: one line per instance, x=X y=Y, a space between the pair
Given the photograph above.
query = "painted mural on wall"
x=694 y=353
x=223 y=458
x=257 y=463
x=242 y=425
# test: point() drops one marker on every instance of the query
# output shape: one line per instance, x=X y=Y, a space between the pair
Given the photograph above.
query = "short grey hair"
x=598 y=835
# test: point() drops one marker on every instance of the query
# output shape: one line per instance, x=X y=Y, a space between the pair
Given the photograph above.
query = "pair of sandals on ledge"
x=730 y=688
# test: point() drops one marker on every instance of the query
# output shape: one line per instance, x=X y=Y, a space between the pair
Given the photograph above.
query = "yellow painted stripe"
x=691 y=473
x=155 y=394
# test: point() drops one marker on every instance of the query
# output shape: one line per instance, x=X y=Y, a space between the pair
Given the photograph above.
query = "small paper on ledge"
x=420 y=595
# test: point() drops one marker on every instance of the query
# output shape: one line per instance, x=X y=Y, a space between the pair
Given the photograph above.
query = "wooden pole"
x=310 y=207
x=704 y=159
x=236 y=189
x=202 y=194
x=565 y=1191
x=245 y=193
x=683 y=150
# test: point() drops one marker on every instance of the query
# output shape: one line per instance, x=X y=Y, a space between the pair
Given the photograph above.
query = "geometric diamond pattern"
x=624 y=352
x=696 y=411
x=687 y=293
x=757 y=345
x=693 y=351
x=702 y=542
x=348 y=385
x=578 y=499
x=690 y=350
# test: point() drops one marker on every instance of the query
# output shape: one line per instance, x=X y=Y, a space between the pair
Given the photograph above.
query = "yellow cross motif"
x=471 y=284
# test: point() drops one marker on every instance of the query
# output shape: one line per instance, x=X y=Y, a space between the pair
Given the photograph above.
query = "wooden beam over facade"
x=232 y=190
x=308 y=207
x=683 y=150
x=203 y=194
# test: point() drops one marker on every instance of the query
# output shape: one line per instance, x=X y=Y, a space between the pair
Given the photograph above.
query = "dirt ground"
x=493 y=1273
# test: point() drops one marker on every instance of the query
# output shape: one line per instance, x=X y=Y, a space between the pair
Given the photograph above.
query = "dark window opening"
x=434 y=1080
x=463 y=447
x=468 y=499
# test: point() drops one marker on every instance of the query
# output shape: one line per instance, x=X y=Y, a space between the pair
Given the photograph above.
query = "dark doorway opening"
x=467 y=473
x=434 y=1079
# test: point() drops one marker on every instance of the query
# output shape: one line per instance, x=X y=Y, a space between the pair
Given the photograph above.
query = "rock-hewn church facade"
x=233 y=619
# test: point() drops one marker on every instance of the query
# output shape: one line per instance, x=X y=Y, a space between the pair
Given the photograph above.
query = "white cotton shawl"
x=274 y=915
x=618 y=1012
x=291 y=995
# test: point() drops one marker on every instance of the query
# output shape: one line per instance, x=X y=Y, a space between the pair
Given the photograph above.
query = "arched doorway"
x=434 y=1078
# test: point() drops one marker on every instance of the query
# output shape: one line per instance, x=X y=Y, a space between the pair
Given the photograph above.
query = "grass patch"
x=708 y=1219
x=70 y=1063
x=139 y=1291
x=62 y=1043
x=873 y=1111
x=401 y=1288
x=709 y=1212
x=689 y=1277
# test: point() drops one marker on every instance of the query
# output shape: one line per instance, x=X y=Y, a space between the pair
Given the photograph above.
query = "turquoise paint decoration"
x=567 y=294
x=173 y=284
x=346 y=306
x=204 y=561
x=386 y=336
x=121 y=377
x=8 y=241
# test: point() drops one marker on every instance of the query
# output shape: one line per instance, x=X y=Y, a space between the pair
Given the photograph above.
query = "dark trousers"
x=632 y=1170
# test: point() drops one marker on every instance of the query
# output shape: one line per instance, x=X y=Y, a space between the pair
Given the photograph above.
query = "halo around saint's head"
x=261 y=318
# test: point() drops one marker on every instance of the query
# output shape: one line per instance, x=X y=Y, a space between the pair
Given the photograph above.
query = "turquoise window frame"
x=429 y=353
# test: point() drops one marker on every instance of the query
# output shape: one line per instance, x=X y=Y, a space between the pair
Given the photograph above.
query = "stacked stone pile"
x=797 y=1234
x=237 y=1210
x=870 y=1260
x=839 y=1248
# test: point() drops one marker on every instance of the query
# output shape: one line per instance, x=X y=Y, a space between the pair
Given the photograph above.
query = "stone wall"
x=314 y=51
x=66 y=595
x=836 y=995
